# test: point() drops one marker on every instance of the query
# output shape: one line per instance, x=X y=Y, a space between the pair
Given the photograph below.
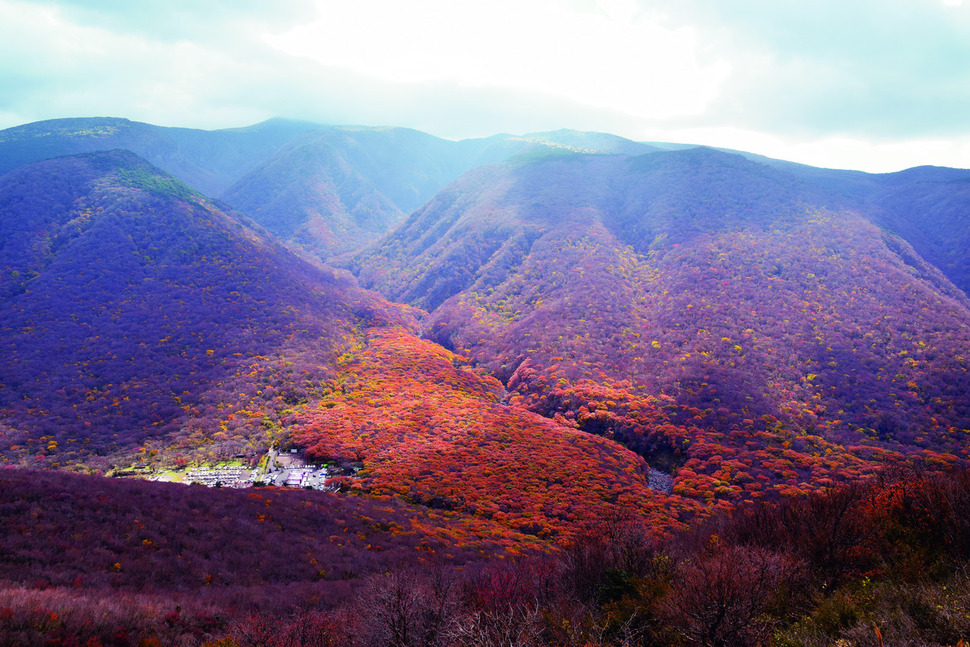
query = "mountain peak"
x=590 y=142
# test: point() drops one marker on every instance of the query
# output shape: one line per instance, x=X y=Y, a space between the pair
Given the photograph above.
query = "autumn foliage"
x=751 y=333
x=432 y=433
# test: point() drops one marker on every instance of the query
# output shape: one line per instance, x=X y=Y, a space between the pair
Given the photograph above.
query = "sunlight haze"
x=877 y=86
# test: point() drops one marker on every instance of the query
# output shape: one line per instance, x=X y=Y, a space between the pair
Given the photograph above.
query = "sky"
x=875 y=85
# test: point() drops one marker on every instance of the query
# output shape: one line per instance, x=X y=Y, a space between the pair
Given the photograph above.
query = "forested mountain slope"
x=136 y=315
x=929 y=207
x=729 y=320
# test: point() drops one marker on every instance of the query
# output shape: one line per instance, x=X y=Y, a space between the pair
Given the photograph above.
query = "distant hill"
x=929 y=208
x=328 y=190
x=208 y=161
x=636 y=199
x=322 y=190
x=696 y=291
x=338 y=189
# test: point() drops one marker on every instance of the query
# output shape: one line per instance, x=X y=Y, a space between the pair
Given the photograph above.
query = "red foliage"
x=437 y=435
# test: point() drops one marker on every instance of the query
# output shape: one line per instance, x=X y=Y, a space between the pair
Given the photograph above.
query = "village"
x=280 y=469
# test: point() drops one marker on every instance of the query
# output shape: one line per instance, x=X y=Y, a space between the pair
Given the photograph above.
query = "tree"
x=720 y=596
x=406 y=609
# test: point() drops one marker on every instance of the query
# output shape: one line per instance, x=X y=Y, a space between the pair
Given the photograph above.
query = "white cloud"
x=829 y=152
x=865 y=68
x=70 y=69
x=607 y=56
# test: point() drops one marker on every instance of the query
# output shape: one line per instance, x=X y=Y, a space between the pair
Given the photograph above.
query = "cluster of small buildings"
x=234 y=477
x=286 y=471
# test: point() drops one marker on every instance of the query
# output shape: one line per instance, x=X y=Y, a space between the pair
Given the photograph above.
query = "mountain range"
x=519 y=337
x=323 y=190
x=714 y=292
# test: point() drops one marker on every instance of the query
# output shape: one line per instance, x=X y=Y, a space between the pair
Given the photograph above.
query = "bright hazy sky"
x=877 y=85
